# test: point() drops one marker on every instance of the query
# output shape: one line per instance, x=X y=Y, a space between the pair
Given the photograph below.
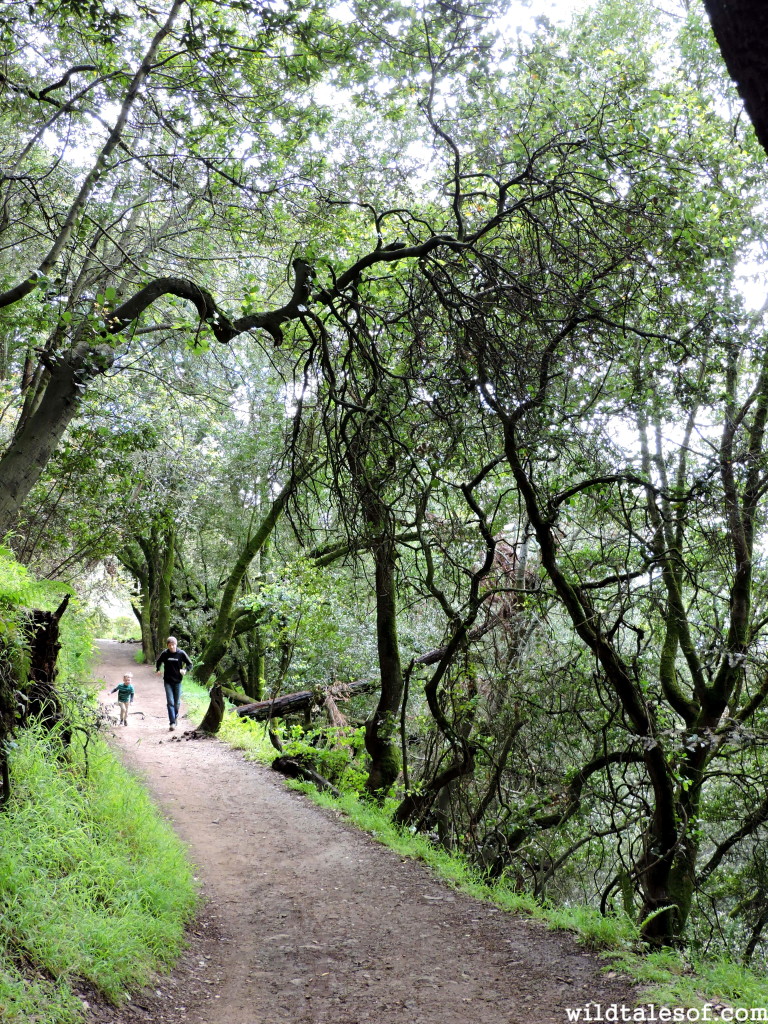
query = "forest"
x=412 y=357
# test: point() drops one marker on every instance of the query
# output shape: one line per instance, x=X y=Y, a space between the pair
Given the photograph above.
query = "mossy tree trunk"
x=158 y=551
x=165 y=556
x=151 y=560
x=252 y=662
x=381 y=728
x=142 y=605
x=227 y=615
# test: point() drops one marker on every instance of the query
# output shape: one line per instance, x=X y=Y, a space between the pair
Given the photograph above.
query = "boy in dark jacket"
x=174 y=663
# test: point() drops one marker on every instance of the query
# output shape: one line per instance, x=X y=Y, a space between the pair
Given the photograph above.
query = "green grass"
x=666 y=977
x=240 y=733
x=85 y=864
x=670 y=978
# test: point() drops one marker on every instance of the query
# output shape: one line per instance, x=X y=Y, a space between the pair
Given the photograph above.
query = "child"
x=124 y=696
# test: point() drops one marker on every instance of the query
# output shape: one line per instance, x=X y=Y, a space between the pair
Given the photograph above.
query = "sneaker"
x=172 y=726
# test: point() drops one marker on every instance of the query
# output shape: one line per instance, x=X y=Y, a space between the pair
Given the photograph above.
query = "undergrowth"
x=666 y=978
x=86 y=865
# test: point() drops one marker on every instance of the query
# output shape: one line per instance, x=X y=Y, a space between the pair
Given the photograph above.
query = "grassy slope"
x=84 y=864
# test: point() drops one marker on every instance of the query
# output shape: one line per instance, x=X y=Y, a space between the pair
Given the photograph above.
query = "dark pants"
x=173 y=697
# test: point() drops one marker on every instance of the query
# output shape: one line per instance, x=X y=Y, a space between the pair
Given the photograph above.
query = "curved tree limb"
x=757 y=818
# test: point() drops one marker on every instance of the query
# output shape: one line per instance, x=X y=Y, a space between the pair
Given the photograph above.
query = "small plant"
x=332 y=753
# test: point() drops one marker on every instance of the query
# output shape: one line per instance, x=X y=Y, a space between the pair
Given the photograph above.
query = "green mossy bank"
x=84 y=897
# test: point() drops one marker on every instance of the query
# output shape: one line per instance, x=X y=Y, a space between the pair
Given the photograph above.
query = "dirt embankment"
x=308 y=921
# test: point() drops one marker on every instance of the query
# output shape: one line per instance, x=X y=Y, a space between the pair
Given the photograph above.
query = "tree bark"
x=293 y=703
x=741 y=30
x=32 y=447
x=381 y=727
x=165 y=552
x=224 y=625
x=151 y=560
x=43 y=703
x=214 y=716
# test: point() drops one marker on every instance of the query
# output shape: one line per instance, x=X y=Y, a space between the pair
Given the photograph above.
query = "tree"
x=523 y=336
x=226 y=621
x=90 y=268
x=741 y=29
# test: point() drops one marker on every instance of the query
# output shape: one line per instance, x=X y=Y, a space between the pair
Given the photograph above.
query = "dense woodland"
x=390 y=344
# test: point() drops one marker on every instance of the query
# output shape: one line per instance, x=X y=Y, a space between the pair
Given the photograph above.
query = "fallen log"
x=291 y=703
x=294 y=769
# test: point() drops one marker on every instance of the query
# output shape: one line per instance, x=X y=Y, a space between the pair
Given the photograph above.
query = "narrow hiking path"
x=309 y=921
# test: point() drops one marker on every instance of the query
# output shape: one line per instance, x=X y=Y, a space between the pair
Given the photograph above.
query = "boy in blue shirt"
x=125 y=694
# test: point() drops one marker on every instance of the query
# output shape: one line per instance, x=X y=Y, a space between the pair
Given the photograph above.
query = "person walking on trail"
x=125 y=694
x=173 y=662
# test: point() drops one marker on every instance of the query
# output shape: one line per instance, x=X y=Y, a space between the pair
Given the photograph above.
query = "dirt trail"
x=309 y=921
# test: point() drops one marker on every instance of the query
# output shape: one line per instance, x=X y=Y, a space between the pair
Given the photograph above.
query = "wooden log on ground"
x=335 y=717
x=294 y=769
x=292 y=703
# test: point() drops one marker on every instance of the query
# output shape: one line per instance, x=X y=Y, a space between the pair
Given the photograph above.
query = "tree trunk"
x=143 y=612
x=381 y=727
x=224 y=626
x=654 y=868
x=9 y=683
x=256 y=665
x=741 y=30
x=43 y=702
x=145 y=621
x=40 y=699
x=5 y=778
x=33 y=445
x=151 y=561
x=165 y=554
x=214 y=716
